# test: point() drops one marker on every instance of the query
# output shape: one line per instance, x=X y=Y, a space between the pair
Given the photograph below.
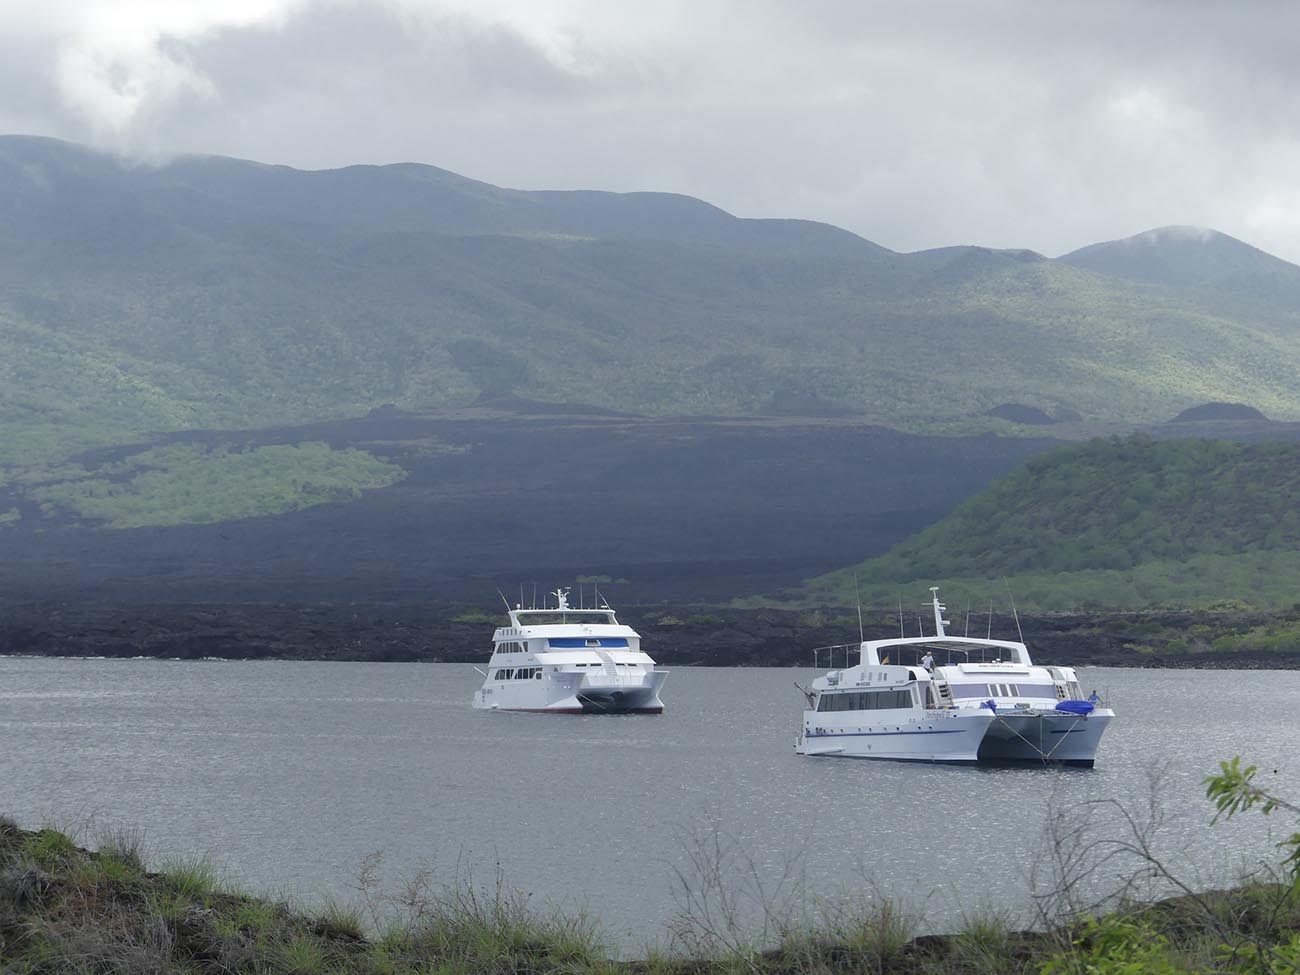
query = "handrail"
x=830 y=654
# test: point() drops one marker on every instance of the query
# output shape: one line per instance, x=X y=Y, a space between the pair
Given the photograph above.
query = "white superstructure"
x=944 y=698
x=563 y=660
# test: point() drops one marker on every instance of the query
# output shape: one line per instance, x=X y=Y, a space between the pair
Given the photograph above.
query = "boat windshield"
x=553 y=616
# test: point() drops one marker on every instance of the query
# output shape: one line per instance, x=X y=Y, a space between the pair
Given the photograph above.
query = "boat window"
x=587 y=643
x=865 y=700
x=1023 y=690
x=1000 y=689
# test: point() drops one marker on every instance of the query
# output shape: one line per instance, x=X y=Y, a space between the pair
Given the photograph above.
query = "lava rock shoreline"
x=674 y=636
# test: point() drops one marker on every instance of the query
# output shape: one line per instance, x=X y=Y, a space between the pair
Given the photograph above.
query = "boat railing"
x=839 y=651
x=846 y=655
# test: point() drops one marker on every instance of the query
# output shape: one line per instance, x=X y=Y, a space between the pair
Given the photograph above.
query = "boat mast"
x=939 y=621
x=861 y=638
x=1019 y=632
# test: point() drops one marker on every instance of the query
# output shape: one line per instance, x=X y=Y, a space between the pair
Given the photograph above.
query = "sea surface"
x=290 y=775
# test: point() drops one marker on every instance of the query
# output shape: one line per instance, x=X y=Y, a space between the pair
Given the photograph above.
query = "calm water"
x=289 y=773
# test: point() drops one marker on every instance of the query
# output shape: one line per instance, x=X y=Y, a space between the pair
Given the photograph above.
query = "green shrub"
x=190 y=876
x=50 y=846
x=1114 y=946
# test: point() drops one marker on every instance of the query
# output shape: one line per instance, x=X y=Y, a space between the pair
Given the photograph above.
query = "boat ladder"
x=942 y=692
x=610 y=668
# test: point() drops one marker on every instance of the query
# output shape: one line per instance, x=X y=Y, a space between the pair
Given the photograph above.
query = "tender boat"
x=563 y=660
x=986 y=703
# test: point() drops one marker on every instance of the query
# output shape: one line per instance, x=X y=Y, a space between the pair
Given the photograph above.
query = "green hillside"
x=185 y=484
x=1191 y=257
x=217 y=293
x=1115 y=523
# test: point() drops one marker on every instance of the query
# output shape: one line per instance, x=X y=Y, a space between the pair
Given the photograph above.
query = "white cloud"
x=111 y=86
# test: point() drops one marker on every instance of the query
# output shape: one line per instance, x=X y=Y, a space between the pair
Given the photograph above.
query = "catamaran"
x=566 y=660
x=986 y=702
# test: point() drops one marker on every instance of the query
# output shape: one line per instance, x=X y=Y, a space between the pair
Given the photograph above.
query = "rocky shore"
x=674 y=635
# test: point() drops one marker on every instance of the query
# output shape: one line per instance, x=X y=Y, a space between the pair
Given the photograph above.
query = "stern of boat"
x=622 y=694
x=1052 y=737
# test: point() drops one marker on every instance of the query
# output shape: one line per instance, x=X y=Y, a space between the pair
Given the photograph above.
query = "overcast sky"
x=1022 y=123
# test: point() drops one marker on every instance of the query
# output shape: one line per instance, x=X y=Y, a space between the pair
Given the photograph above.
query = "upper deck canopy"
x=877 y=651
x=562 y=614
x=559 y=617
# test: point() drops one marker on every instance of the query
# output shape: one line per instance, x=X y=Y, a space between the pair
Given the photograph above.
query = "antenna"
x=900 y=616
x=858 y=590
x=989 y=636
x=534 y=595
x=1013 y=609
x=503 y=599
x=967 y=633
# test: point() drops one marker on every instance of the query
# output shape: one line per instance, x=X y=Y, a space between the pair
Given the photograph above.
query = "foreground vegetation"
x=68 y=909
x=1121 y=523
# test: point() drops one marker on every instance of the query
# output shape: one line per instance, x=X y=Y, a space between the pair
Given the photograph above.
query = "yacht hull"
x=577 y=694
x=1053 y=737
x=928 y=736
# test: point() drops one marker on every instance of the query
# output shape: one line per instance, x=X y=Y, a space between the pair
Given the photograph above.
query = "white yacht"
x=944 y=698
x=563 y=660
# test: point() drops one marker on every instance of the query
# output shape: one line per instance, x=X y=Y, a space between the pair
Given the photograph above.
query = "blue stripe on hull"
x=882 y=734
